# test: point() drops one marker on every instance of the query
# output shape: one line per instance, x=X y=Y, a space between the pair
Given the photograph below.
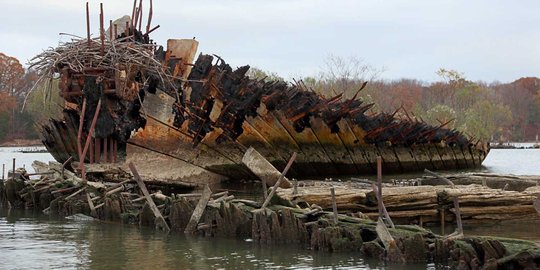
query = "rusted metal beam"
x=88 y=139
x=79 y=133
x=88 y=23
x=105 y=151
x=101 y=29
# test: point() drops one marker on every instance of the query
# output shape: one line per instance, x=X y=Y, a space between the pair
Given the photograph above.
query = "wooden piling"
x=334 y=204
x=457 y=212
x=13 y=172
x=3 y=171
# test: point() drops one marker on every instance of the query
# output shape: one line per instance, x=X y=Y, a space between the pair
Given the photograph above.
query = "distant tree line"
x=487 y=111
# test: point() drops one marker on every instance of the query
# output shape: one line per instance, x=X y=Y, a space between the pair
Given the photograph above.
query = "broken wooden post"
x=379 y=186
x=459 y=230
x=65 y=164
x=265 y=189
x=146 y=194
x=278 y=182
x=3 y=171
x=439 y=177
x=384 y=211
x=91 y=205
x=334 y=204
x=262 y=168
x=393 y=253
x=199 y=210
x=537 y=204
x=13 y=172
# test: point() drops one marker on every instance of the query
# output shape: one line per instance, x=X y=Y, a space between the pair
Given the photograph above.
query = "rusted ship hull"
x=185 y=120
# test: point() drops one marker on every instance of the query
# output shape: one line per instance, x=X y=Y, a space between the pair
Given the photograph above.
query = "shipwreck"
x=190 y=120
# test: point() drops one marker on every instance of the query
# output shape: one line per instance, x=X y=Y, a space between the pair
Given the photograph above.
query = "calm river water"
x=30 y=240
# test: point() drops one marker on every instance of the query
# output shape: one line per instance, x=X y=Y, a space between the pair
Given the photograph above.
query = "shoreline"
x=22 y=143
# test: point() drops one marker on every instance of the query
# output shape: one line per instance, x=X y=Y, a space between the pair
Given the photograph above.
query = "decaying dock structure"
x=191 y=120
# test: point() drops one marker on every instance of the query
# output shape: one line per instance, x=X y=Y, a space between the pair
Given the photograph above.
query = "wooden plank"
x=308 y=155
x=263 y=169
x=332 y=146
x=149 y=199
x=199 y=210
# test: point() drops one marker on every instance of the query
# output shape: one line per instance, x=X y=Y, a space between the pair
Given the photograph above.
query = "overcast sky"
x=487 y=40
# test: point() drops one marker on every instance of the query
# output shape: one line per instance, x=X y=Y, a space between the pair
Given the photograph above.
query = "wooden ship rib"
x=187 y=120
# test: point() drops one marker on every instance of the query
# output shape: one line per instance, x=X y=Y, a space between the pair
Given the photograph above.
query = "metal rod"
x=105 y=155
x=149 y=18
x=3 y=171
x=79 y=133
x=88 y=23
x=101 y=29
x=110 y=30
x=90 y=133
x=97 y=149
x=91 y=154
x=152 y=30
x=132 y=14
x=115 y=149
x=140 y=15
x=111 y=149
x=289 y=164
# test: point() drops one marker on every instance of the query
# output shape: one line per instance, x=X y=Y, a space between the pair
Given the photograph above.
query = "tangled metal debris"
x=125 y=96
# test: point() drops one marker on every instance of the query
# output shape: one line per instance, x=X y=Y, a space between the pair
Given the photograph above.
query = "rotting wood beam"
x=149 y=200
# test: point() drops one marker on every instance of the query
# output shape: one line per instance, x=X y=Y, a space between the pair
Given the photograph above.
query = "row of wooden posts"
x=207 y=193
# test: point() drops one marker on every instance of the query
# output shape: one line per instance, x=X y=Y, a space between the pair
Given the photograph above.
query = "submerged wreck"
x=191 y=120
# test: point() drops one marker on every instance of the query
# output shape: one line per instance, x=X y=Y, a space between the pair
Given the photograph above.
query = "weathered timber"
x=199 y=210
x=149 y=200
x=263 y=169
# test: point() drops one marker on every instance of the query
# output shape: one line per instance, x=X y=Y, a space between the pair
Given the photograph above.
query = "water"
x=30 y=240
